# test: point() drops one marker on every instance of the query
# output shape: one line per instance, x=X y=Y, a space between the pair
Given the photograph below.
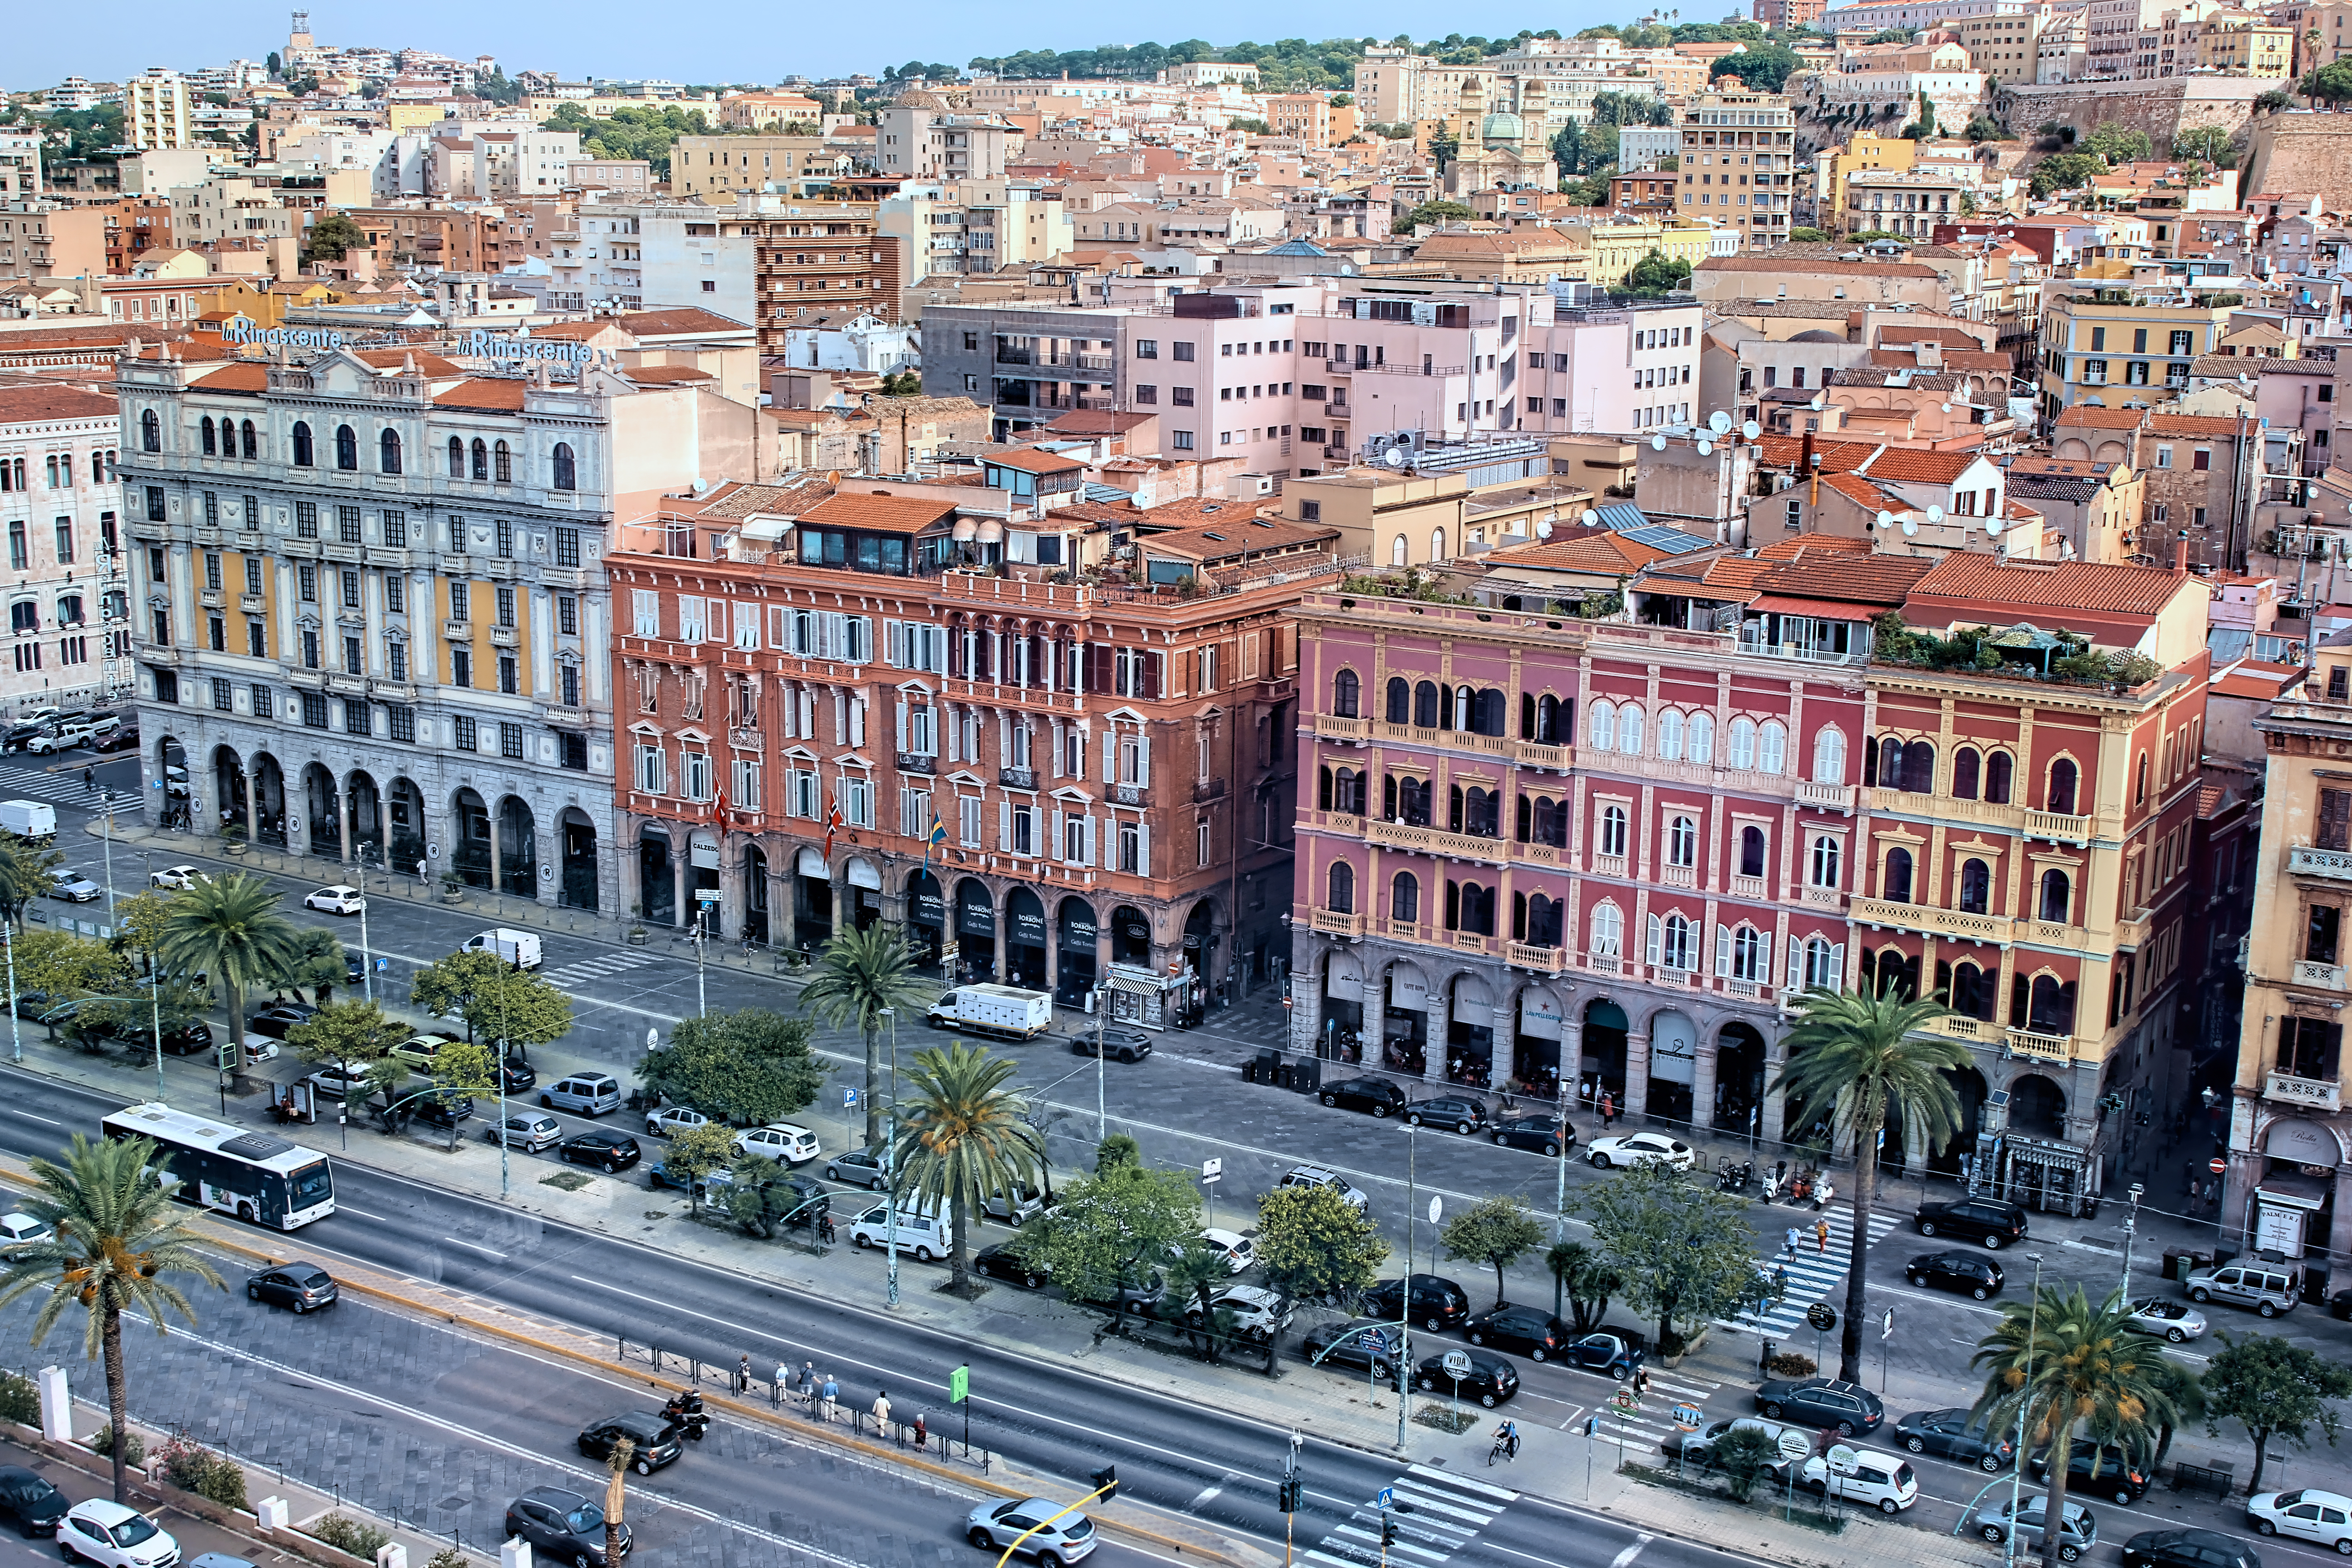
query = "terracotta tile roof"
x=677 y=323
x=245 y=376
x=879 y=511
x=1857 y=579
x=1032 y=462
x=1209 y=542
x=1752 y=262
x=737 y=499
x=427 y=363
x=668 y=375
x=1911 y=463
x=1830 y=457
x=2192 y=424
x=1096 y=422
x=1813 y=545
x=47 y=400
x=1589 y=549
x=484 y=394
x=2087 y=585
x=2100 y=418
x=1854 y=488
x=1949 y=337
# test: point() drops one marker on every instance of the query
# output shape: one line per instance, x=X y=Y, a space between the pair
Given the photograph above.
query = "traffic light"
x=1387 y=1533
x=1105 y=1482
x=1292 y=1487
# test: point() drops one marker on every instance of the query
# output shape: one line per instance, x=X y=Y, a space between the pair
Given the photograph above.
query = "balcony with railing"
x=2310 y=1093
x=1542 y=960
x=1933 y=921
x=918 y=763
x=2326 y=976
x=2042 y=1046
x=1204 y=790
x=1018 y=778
x=1335 y=923
x=2057 y=826
x=1129 y=794
x=2333 y=865
x=1434 y=841
x=1332 y=727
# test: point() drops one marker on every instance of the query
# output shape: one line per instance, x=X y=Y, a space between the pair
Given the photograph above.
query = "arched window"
x=1437 y=544
x=2057 y=896
x=1998 y=768
x=1889 y=773
x=1682 y=842
x=1674 y=942
x=1345 y=691
x=481 y=458
x=1347 y=792
x=566 y=476
x=2139 y=787
x=1897 y=974
x=1740 y=751
x=151 y=432
x=1971 y=992
x=1600 y=733
x=1823 y=863
x=303 y=455
x=1823 y=964
x=1608 y=931
x=1670 y=734
x=1919 y=768
x=1343 y=888
x=388 y=450
x=1749 y=954
x=1702 y=738
x=1976 y=888
x=1629 y=731
x=1964 y=767
x=1425 y=704
x=1404 y=897
x=502 y=463
x=1552 y=721
x=457 y=457
x=347 y=449
x=2061 y=788
x=2052 y=1008
x=1829 y=755
x=211 y=437
x=1396 y=551
x=1895 y=883
x=1399 y=710
x=1460 y=704
x=1613 y=831
x=1772 y=747
x=1483 y=816
x=1487 y=713
x=1751 y=851
x=1551 y=822
x=1543 y=927
x=248 y=441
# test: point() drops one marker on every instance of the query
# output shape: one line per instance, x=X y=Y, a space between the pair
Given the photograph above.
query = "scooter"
x=685 y=1412
x=1733 y=1178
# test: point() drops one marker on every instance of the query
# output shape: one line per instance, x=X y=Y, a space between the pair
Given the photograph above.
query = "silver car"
x=2169 y=1319
x=530 y=1131
x=993 y=1526
x=74 y=888
x=2268 y=1291
x=1991 y=1520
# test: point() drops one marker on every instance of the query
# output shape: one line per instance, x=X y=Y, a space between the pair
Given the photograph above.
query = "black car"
x=1121 y=1042
x=278 y=1019
x=1491 y=1379
x=563 y=1526
x=305 y=1287
x=1822 y=1402
x=188 y=1040
x=15 y=737
x=796 y=1203
x=613 y=1150
x=32 y=1003
x=651 y=1436
x=1002 y=1261
x=1438 y=1303
x=2188 y=1549
x=1138 y=1298
x=514 y=1076
x=31 y=1501
x=1962 y=1272
x=1343 y=1348
x=2116 y=1475
x=1543 y=1133
x=2339 y=1305
x=1530 y=1331
x=1464 y=1113
x=1986 y=1221
x=1377 y=1095
x=1952 y=1435
x=441 y=1108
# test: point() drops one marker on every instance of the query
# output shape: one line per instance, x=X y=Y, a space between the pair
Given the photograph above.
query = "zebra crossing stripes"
x=1813 y=1275
x=66 y=789
x=600 y=967
x=1653 y=1419
x=1446 y=1512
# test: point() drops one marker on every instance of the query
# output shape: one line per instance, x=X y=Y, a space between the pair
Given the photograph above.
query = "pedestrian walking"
x=922 y=1432
x=88 y=778
x=1781 y=1283
x=784 y=1383
x=1608 y=1108
x=1794 y=1234
x=808 y=1381
x=1820 y=1235
x=881 y=1412
x=832 y=1397
x=1764 y=1357
x=743 y=1374
x=1641 y=1381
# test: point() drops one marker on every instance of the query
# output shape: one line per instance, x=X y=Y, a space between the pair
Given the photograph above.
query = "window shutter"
x=1005 y=824
x=894 y=633
x=1143 y=758
x=1060 y=849
x=1796 y=963
x=1143 y=849
x=1111 y=756
x=1837 y=966
x=1722 y=949
x=1098 y=667
x=1094 y=841
x=902 y=725
x=857 y=722
x=1154 y=668
x=1657 y=939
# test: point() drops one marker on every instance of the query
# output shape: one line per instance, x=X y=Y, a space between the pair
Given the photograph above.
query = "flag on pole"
x=937 y=836
x=831 y=824
x=718 y=807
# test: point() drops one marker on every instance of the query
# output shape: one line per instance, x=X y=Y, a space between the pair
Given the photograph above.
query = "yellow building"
x=2006 y=47
x=2243 y=44
x=1833 y=165
x=717 y=167
x=1305 y=117
x=1614 y=249
x=2110 y=345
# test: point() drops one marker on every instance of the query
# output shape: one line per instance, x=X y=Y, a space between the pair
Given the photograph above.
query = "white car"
x=74 y=888
x=1884 y=1481
x=335 y=1081
x=1316 y=1176
x=259 y=1049
x=335 y=901
x=175 y=781
x=21 y=1229
x=1254 y=1309
x=1639 y=1149
x=2306 y=1515
x=181 y=878
x=2173 y=1320
x=994 y=1525
x=64 y=738
x=671 y=1120
x=106 y=1534
x=785 y=1141
x=1240 y=1252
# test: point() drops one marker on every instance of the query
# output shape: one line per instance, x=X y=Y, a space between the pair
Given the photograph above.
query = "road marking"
x=1464 y=1483
x=1209 y=1493
x=1627 y=1556
x=42 y=1120
x=341 y=1207
x=476 y=1246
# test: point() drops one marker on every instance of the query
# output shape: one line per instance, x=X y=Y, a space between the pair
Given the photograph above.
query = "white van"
x=1884 y=1481
x=520 y=948
x=1003 y=1010
x=28 y=818
x=927 y=1236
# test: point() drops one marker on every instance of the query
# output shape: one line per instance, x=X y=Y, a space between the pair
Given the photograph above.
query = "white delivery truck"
x=1003 y=1010
x=520 y=948
x=28 y=818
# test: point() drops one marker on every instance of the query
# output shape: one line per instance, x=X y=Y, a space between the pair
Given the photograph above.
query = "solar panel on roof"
x=1673 y=541
x=1621 y=517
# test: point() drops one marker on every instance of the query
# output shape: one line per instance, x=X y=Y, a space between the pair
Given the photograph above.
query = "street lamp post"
x=367 y=963
x=155 y=996
x=2017 y=1475
x=2131 y=1229
x=1102 y=1017
x=106 y=804
x=15 y=1028
x=890 y=1156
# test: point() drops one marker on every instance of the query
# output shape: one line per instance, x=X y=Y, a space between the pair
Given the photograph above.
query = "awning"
x=2043 y=1152
x=1145 y=982
x=810 y=864
x=703 y=849
x=862 y=873
x=2292 y=1189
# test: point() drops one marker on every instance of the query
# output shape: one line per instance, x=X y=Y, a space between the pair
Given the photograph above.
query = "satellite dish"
x=1719 y=422
x=1657 y=443
x=1885 y=520
x=1589 y=517
x=1993 y=526
x=1705 y=447
x=1910 y=525
x=1543 y=529
x=1948 y=409
x=1751 y=430
x=1935 y=514
x=1393 y=456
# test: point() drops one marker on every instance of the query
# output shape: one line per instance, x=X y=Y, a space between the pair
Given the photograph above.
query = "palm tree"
x=1855 y=1057
x=1194 y=1272
x=2056 y=1361
x=963 y=1137
x=858 y=974
x=232 y=930
x=317 y=961
x=617 y=1463
x=115 y=1235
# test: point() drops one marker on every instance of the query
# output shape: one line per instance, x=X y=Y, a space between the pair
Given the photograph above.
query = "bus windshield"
x=308 y=1186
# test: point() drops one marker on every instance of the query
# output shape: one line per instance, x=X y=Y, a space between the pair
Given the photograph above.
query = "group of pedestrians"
x=821 y=1393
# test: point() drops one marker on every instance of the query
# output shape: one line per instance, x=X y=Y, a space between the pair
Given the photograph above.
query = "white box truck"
x=1005 y=1010
x=28 y=818
x=520 y=948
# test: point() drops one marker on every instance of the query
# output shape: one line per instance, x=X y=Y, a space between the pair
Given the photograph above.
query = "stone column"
x=1703 y=1088
x=1635 y=1100
x=491 y=817
x=343 y=820
x=1376 y=1023
x=1436 y=1027
x=1572 y=1059
x=1502 y=1061
x=681 y=876
x=1775 y=1103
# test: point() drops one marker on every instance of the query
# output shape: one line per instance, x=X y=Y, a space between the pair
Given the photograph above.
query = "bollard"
x=56 y=1405
x=270 y=1513
x=515 y=1553
x=391 y=1554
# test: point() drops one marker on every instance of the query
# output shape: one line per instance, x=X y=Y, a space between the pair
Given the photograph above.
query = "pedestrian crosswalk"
x=64 y=789
x=1811 y=1272
x=1436 y=1515
x=1650 y=1418
x=600 y=967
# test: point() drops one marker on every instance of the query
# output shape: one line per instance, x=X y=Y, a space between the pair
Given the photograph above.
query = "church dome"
x=1502 y=127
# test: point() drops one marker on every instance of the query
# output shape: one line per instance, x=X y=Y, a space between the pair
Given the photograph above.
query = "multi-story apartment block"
x=716 y=168
x=2113 y=344
x=1908 y=202
x=1394 y=87
x=20 y=166
x=921 y=138
x=68 y=606
x=598 y=261
x=1617 y=847
x=2004 y=48
x=1777 y=13
x=2241 y=43
x=1733 y=137
x=834 y=718
x=47 y=239
x=762 y=259
x=975 y=227
x=371 y=603
x=155 y=111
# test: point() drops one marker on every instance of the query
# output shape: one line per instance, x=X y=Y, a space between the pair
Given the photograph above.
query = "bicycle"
x=1506 y=1446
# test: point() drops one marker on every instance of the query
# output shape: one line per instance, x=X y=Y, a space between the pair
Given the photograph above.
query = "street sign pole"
x=1212 y=1172
x=960 y=1393
x=1886 y=1333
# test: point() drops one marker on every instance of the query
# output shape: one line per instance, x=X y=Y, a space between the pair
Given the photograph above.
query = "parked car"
x=74 y=888
x=1138 y=1296
x=1023 y=1204
x=1530 y=1331
x=1543 y=1133
x=36 y=1505
x=103 y=1532
x=123 y=739
x=860 y=1167
x=1822 y=1402
x=1255 y=1310
x=19 y=736
x=1240 y=1252
x=180 y=878
x=1003 y=1261
x=338 y=899
x=1953 y=1434
x=338 y=1080
x=1373 y=1350
x=2095 y=1471
x=23 y=1229
x=924 y=1234
x=562 y=1526
x=615 y=1151
x=1064 y=1541
x=2339 y=1305
x=672 y=1120
x=304 y=1286
x=1121 y=1042
x=1316 y=1176
x=1962 y=1272
x=1377 y=1095
x=278 y=1019
x=1639 y=1149
x=1438 y=1303
x=2268 y=1291
x=63 y=735
x=441 y=1108
x=1491 y=1379
x=1464 y=1112
x=1992 y=1522
x=1988 y=1222
x=654 y=1441
x=515 y=1077
x=2189 y=1548
x=422 y=1052
x=787 y=1142
x=529 y=1131
x=2174 y=1322
x=1699 y=1448
x=1884 y=1481
x=584 y=1093
x=2304 y=1515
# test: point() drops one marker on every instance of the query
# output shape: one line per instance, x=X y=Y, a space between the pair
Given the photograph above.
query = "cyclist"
x=1506 y=1442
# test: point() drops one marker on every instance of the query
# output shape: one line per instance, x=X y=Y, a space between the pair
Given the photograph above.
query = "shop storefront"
x=927 y=919
x=1155 y=1000
x=1075 y=940
x=1339 y=1028
x=1535 y=1047
x=975 y=934
x=812 y=901
x=1024 y=940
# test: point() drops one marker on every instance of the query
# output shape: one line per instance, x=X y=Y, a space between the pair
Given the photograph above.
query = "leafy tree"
x=1630 y=109
x=1315 y=1245
x=698 y=1149
x=317 y=961
x=1985 y=128
x=273 y=62
x=1247 y=125
x=2064 y=170
x=1745 y=1454
x=116 y=1237
x=1679 y=1251
x=1431 y=215
x=2210 y=142
x=1444 y=148
x=962 y=1138
x=62 y=965
x=1815 y=236
x=1193 y=1275
x=1852 y=1059
x=1117 y=1149
x=138 y=923
x=2272 y=100
x=2117 y=143
x=513 y=1008
x=25 y=869
x=2056 y=1363
x=903 y=383
x=1581 y=1283
x=2331 y=82
x=1655 y=275
x=1764 y=67
x=755 y=1197
x=332 y=236
x=346 y=1034
x=1114 y=1228
x=1495 y=1231
x=860 y=975
x=1591 y=191
x=2274 y=1388
x=231 y=929
x=752 y=1066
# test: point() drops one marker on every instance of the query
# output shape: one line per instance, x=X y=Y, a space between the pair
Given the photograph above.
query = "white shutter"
x=1061 y=850
x=1143 y=758
x=1005 y=826
x=1143 y=849
x=1094 y=841
x=902 y=726
x=1796 y=963
x=1722 y=948
x=1111 y=756
x=1657 y=940
x=857 y=722
x=894 y=633
x=1837 y=966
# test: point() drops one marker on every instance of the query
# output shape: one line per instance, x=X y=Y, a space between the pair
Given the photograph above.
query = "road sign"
x=1213 y=1171
x=1886 y=1325
x=1795 y=1445
x=1841 y=1459
x=959 y=1384
x=1387 y=1500
x=1687 y=1416
x=382 y=964
x=1821 y=1315
x=2219 y=1166
x=1456 y=1363
x=1436 y=1207
x=1626 y=1399
x=849 y=1100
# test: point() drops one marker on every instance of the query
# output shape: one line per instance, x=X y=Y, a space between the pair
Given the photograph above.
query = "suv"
x=1316 y=1176
x=562 y=1525
x=588 y=1093
x=2268 y=1291
x=1994 y=1223
x=2079 y=1534
x=1121 y=1042
x=1463 y=1114
x=1822 y=1402
x=1438 y=1303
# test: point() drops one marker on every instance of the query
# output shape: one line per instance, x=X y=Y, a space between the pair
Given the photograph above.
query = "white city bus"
x=257 y=1177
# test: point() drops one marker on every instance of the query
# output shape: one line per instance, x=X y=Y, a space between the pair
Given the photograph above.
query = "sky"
x=723 y=40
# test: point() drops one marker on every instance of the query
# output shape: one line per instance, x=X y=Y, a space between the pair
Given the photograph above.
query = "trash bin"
x=1263 y=1067
x=1307 y=1075
x=2176 y=1264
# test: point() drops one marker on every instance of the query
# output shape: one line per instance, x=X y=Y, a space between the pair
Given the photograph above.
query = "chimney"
x=2181 y=554
x=1805 y=459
